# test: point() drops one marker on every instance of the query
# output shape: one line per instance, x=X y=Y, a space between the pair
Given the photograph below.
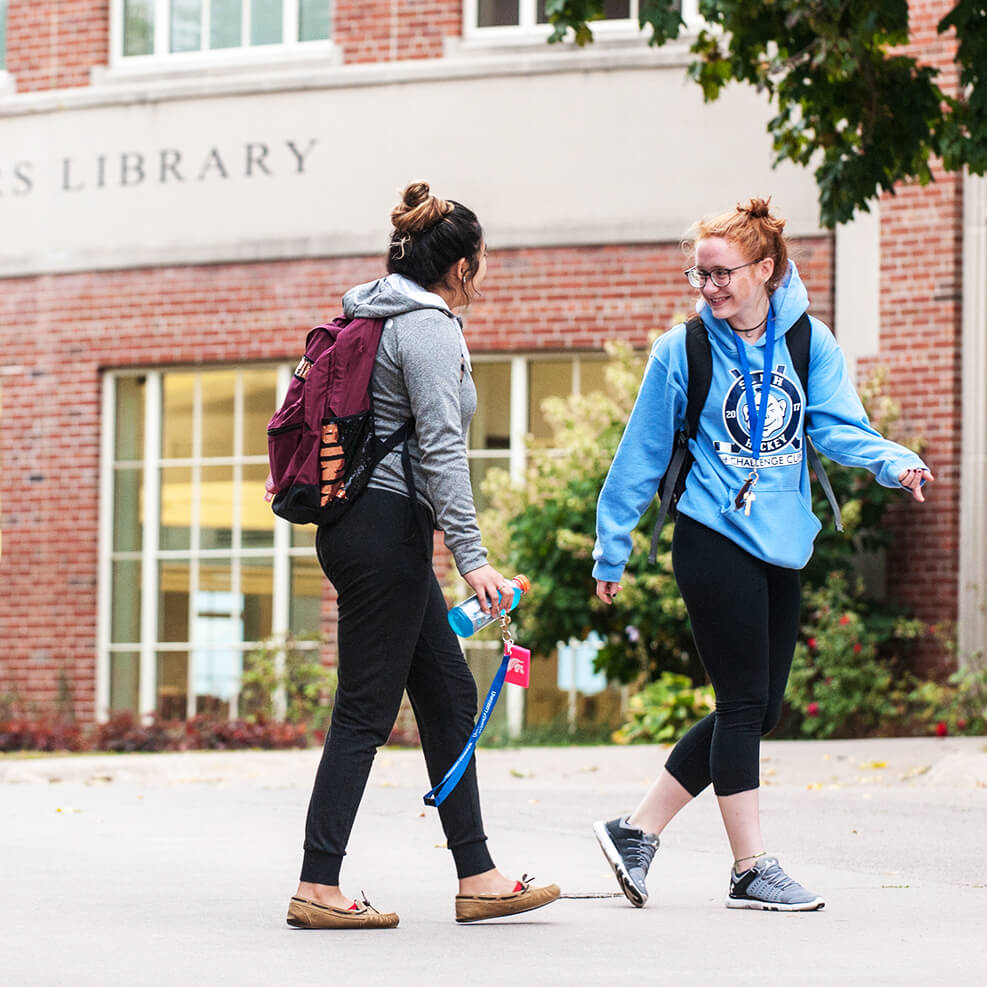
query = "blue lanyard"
x=758 y=415
x=440 y=792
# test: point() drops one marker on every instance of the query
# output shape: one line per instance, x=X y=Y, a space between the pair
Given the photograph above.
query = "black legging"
x=393 y=635
x=745 y=620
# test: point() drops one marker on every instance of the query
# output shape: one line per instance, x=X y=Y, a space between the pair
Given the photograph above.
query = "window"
x=3 y=35
x=510 y=392
x=197 y=568
x=175 y=27
x=506 y=18
x=514 y=13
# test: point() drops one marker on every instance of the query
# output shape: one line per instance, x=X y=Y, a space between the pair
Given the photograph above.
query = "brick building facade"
x=145 y=335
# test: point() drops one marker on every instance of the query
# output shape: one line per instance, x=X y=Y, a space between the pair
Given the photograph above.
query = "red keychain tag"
x=518 y=666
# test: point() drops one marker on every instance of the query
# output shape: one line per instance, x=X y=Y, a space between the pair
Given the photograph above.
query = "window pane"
x=216 y=507
x=491 y=426
x=306 y=596
x=303 y=535
x=129 y=418
x=217 y=413
x=177 y=415
x=256 y=516
x=266 y=22
x=176 y=508
x=174 y=577
x=172 y=698
x=3 y=34
x=259 y=404
x=313 y=20
x=138 y=27
x=592 y=376
x=497 y=13
x=257 y=582
x=226 y=24
x=125 y=669
x=186 y=25
x=125 y=623
x=478 y=471
x=128 y=510
x=550 y=378
x=612 y=10
x=217 y=631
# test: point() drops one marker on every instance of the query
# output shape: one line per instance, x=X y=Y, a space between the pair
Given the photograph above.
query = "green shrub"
x=664 y=710
x=288 y=665
x=845 y=666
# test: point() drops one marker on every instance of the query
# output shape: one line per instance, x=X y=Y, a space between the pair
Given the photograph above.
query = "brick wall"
x=385 y=30
x=53 y=44
x=61 y=331
x=921 y=329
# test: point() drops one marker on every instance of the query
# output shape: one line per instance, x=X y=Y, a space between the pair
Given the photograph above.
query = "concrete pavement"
x=175 y=869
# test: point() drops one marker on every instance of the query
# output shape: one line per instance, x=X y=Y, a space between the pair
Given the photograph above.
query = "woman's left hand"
x=912 y=480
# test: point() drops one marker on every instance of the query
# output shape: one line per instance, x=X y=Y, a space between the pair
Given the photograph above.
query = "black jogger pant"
x=745 y=620
x=393 y=635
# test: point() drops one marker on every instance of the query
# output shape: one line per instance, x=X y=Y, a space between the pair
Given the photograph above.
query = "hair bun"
x=418 y=209
x=757 y=208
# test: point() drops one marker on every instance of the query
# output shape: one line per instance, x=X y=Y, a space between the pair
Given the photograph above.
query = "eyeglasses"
x=720 y=275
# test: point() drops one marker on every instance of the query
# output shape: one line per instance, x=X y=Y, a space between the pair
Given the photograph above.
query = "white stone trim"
x=972 y=596
x=857 y=309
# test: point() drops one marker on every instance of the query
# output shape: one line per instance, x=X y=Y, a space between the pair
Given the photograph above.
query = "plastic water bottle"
x=467 y=618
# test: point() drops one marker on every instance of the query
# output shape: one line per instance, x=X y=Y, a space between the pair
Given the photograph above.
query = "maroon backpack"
x=321 y=443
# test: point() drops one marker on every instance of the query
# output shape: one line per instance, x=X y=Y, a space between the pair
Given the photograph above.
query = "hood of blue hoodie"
x=789 y=301
x=390 y=296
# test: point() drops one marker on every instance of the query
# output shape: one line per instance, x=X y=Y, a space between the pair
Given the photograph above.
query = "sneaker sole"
x=612 y=854
x=816 y=905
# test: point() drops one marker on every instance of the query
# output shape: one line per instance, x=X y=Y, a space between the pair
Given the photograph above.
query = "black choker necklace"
x=758 y=326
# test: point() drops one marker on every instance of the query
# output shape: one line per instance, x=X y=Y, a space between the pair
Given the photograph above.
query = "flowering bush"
x=844 y=670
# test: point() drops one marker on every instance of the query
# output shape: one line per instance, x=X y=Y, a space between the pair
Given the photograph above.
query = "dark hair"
x=755 y=231
x=430 y=234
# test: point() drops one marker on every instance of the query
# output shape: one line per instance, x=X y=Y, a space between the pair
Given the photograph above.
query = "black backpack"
x=699 y=356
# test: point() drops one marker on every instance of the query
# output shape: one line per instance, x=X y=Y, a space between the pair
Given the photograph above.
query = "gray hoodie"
x=423 y=372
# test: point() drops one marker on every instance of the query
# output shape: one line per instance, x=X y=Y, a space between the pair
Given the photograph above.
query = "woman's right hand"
x=606 y=591
x=489 y=585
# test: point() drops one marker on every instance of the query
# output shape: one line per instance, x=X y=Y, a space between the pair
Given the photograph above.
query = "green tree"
x=848 y=100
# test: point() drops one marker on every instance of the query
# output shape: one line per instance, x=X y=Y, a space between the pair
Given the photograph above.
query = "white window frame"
x=163 y=59
x=150 y=555
x=529 y=31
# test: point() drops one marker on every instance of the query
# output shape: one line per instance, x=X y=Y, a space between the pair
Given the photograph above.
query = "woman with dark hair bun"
x=744 y=527
x=393 y=629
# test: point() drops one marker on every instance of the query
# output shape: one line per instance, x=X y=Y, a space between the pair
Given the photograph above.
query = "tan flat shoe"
x=477 y=907
x=305 y=914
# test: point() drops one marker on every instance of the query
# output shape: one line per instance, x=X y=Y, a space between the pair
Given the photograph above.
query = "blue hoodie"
x=781 y=527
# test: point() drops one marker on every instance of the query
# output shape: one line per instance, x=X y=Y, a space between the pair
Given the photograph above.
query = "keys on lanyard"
x=756 y=415
x=746 y=497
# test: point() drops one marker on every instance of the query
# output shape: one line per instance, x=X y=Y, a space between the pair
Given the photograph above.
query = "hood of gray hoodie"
x=390 y=296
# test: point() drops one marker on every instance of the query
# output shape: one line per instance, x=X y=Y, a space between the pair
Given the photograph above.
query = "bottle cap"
x=523 y=583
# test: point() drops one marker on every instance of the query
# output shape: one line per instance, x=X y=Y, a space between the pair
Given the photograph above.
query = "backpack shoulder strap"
x=799 y=340
x=699 y=360
x=699 y=356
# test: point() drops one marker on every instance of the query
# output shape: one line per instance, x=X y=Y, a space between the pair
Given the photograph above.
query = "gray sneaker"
x=768 y=887
x=630 y=852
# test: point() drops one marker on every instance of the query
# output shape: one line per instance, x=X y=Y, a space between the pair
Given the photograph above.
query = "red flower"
x=856 y=648
x=961 y=723
x=829 y=680
x=811 y=643
x=813 y=709
x=941 y=729
x=845 y=619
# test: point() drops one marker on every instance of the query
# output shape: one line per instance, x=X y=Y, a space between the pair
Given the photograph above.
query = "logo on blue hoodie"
x=782 y=424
